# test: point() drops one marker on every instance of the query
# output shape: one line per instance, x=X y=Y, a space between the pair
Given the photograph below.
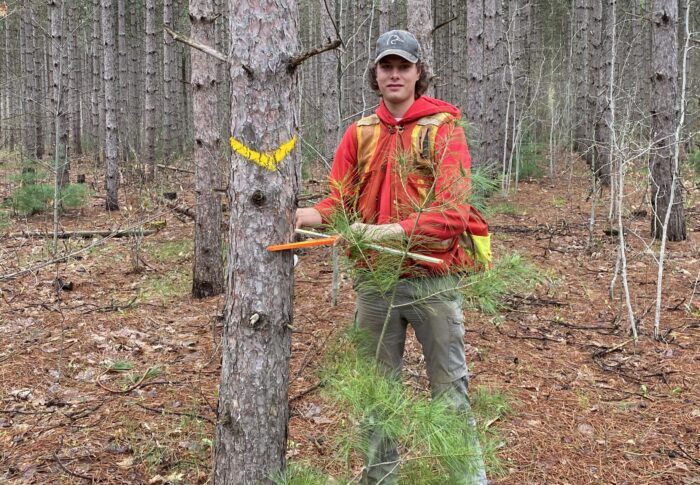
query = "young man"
x=404 y=173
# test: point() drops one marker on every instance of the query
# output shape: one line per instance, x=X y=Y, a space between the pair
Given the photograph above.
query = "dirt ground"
x=112 y=375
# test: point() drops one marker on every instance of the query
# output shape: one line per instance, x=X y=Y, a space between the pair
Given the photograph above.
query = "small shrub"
x=32 y=199
x=528 y=162
x=74 y=196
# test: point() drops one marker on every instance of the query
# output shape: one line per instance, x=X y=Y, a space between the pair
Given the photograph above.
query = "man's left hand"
x=377 y=232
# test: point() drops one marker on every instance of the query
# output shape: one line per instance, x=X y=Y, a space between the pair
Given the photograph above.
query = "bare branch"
x=296 y=60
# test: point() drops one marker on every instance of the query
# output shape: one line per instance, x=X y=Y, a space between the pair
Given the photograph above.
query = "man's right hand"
x=307 y=216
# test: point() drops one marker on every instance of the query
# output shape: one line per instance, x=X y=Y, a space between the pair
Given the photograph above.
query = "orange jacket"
x=381 y=175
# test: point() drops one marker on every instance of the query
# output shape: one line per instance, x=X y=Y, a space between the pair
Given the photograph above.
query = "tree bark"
x=330 y=99
x=56 y=9
x=123 y=105
x=151 y=91
x=252 y=430
x=74 y=82
x=96 y=59
x=420 y=24
x=169 y=69
x=110 y=108
x=664 y=114
x=29 y=99
x=494 y=67
x=475 y=79
x=208 y=275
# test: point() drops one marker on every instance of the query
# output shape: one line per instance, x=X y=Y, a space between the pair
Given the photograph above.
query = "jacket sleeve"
x=342 y=179
x=447 y=212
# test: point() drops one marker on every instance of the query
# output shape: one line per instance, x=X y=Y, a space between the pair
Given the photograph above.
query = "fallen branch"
x=69 y=472
x=81 y=234
x=125 y=391
x=61 y=259
x=176 y=413
x=305 y=392
x=176 y=169
x=180 y=209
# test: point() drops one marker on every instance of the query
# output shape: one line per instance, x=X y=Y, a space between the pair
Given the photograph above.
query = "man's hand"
x=307 y=216
x=377 y=232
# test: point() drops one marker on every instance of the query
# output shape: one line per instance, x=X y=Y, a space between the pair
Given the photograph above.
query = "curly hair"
x=422 y=84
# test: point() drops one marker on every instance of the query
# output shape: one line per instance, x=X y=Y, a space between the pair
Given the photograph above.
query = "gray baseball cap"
x=398 y=43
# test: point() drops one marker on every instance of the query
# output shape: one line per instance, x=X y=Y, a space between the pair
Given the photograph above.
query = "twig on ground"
x=305 y=391
x=176 y=413
x=125 y=391
x=69 y=472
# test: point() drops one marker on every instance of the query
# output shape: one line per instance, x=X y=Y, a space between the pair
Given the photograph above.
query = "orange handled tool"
x=326 y=241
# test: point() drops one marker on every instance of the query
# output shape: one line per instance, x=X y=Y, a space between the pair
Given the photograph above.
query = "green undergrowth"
x=436 y=441
x=35 y=193
x=167 y=286
x=172 y=251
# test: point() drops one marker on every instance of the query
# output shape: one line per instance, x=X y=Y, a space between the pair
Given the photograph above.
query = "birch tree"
x=252 y=424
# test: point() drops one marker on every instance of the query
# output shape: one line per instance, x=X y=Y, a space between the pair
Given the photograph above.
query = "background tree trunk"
x=151 y=91
x=111 y=129
x=420 y=24
x=475 y=78
x=57 y=15
x=169 y=93
x=252 y=424
x=208 y=275
x=664 y=100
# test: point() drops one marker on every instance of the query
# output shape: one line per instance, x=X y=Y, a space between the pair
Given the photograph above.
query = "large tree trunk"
x=252 y=424
x=109 y=69
x=208 y=275
x=664 y=102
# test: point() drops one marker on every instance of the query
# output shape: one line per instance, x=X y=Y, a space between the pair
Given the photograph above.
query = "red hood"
x=423 y=106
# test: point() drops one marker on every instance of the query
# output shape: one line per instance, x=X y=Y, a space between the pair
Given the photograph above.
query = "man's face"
x=397 y=79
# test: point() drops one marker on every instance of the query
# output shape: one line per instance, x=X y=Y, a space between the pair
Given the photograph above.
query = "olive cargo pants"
x=433 y=308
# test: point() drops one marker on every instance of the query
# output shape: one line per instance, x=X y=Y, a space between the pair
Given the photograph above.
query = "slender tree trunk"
x=74 y=81
x=110 y=107
x=208 y=275
x=151 y=91
x=123 y=103
x=581 y=68
x=135 y=79
x=29 y=98
x=329 y=83
x=603 y=126
x=251 y=433
x=420 y=24
x=96 y=80
x=169 y=68
x=475 y=80
x=494 y=67
x=664 y=73
x=57 y=16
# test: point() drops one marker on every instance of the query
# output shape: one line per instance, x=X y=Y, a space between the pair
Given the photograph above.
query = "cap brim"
x=397 y=52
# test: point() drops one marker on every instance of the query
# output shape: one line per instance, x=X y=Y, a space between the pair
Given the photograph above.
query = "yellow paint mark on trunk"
x=268 y=160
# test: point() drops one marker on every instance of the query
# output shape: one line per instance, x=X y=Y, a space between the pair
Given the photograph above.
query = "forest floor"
x=112 y=376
